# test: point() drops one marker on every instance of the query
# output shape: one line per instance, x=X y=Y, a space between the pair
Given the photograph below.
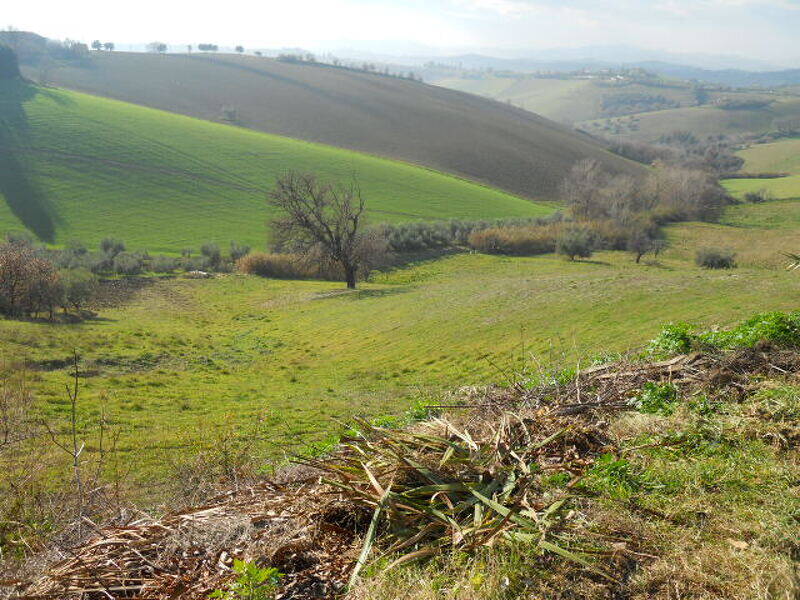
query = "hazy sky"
x=766 y=29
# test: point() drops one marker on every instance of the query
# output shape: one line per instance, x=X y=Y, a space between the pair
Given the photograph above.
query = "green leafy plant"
x=657 y=399
x=616 y=477
x=252 y=583
x=675 y=338
x=775 y=327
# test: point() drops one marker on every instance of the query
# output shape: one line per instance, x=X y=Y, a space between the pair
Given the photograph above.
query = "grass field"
x=473 y=137
x=184 y=357
x=79 y=166
x=777 y=157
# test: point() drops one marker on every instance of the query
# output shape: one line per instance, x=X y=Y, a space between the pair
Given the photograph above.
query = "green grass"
x=186 y=356
x=82 y=167
x=776 y=157
x=780 y=188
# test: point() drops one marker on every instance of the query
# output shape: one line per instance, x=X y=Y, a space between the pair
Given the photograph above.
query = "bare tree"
x=582 y=190
x=320 y=218
x=640 y=243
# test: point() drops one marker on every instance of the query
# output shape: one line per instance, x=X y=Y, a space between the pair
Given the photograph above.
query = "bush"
x=128 y=264
x=758 y=197
x=675 y=338
x=575 y=243
x=29 y=284
x=520 y=241
x=212 y=253
x=782 y=329
x=238 y=251
x=275 y=266
x=164 y=264
x=80 y=287
x=20 y=237
x=112 y=247
x=715 y=258
x=453 y=234
x=774 y=327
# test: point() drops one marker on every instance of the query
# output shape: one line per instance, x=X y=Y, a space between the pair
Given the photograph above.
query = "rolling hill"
x=83 y=167
x=700 y=120
x=778 y=157
x=466 y=135
x=565 y=100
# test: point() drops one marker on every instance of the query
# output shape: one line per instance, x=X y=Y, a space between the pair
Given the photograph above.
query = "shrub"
x=20 y=237
x=675 y=338
x=275 y=266
x=80 y=287
x=455 y=233
x=758 y=197
x=164 y=264
x=520 y=241
x=76 y=248
x=28 y=283
x=112 y=247
x=715 y=258
x=774 y=327
x=575 y=243
x=128 y=264
x=778 y=328
x=212 y=253
x=238 y=251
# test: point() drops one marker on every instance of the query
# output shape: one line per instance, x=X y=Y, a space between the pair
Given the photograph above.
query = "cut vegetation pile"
x=549 y=469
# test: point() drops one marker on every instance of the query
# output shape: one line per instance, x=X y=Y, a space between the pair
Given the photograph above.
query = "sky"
x=760 y=29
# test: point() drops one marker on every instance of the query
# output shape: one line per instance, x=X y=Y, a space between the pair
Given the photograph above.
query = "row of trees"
x=98 y=45
x=324 y=223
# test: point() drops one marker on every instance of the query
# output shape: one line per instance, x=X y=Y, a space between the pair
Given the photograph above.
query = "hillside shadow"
x=25 y=200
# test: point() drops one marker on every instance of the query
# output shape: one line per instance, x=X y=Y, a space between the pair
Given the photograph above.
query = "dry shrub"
x=275 y=266
x=519 y=241
x=605 y=234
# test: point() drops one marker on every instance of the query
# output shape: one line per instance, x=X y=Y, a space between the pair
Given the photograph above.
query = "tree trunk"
x=350 y=277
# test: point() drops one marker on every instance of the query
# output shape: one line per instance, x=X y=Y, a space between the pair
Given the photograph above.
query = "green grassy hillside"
x=777 y=157
x=183 y=354
x=453 y=132
x=701 y=120
x=78 y=166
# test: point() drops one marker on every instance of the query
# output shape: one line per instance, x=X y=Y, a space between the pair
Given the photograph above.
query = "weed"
x=252 y=583
x=657 y=399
